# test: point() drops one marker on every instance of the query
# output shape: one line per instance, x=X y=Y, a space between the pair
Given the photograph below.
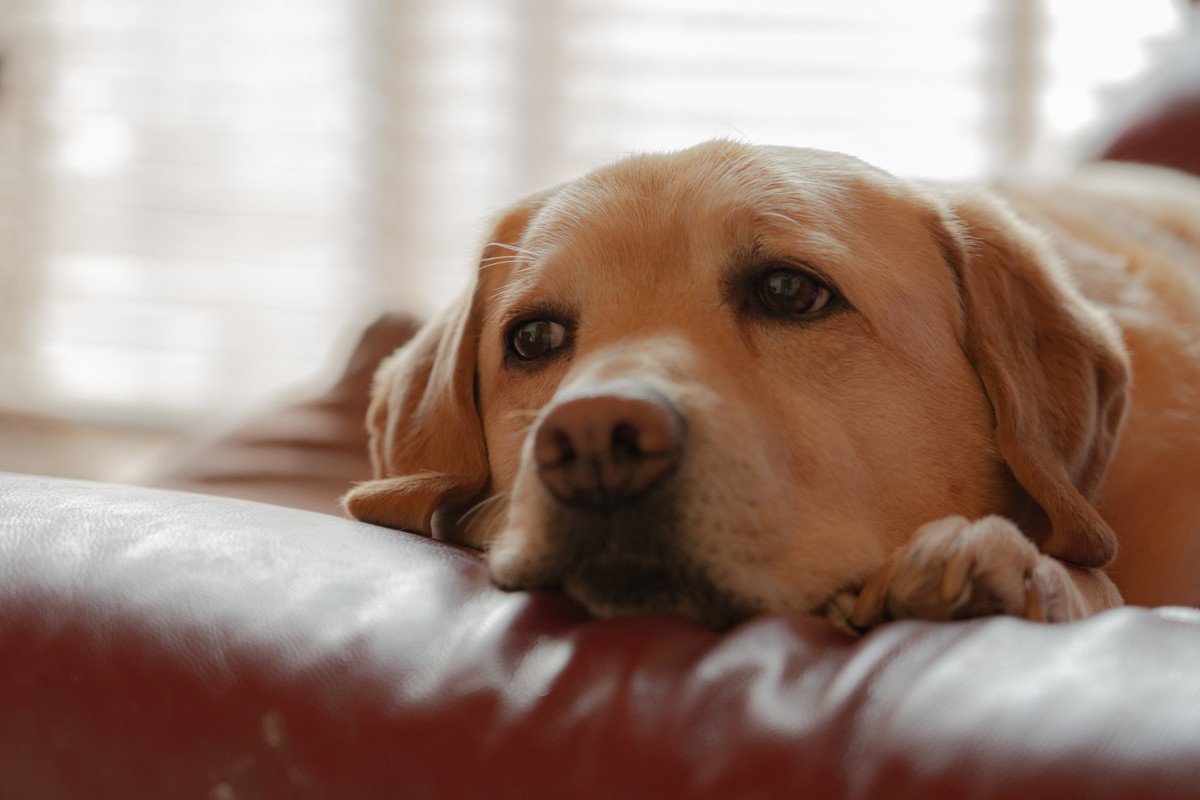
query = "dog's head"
x=734 y=379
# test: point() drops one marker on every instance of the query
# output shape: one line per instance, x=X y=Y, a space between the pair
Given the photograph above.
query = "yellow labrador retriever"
x=738 y=379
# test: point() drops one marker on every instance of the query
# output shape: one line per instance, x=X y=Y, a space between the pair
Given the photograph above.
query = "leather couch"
x=166 y=644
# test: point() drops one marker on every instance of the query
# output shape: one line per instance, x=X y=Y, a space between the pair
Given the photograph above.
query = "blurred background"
x=202 y=203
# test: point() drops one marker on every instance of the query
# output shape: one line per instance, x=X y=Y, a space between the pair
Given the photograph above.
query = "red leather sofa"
x=167 y=644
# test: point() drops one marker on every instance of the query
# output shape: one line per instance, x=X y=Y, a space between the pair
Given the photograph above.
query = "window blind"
x=203 y=200
x=194 y=241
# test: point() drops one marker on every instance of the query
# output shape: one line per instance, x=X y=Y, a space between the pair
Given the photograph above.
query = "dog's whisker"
x=498 y=261
x=502 y=257
x=482 y=504
x=522 y=251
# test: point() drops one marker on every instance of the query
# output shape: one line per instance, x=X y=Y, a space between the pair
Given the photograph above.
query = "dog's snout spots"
x=603 y=448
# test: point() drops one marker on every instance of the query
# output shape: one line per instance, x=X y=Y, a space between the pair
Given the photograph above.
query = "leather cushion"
x=163 y=644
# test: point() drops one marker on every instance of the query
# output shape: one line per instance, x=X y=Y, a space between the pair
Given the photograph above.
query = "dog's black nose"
x=605 y=445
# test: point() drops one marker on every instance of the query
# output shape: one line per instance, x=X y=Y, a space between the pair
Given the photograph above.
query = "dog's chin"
x=619 y=590
x=618 y=564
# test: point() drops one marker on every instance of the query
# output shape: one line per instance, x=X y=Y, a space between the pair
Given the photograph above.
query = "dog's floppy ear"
x=427 y=443
x=1053 y=368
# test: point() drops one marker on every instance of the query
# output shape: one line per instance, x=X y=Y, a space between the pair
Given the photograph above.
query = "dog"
x=738 y=379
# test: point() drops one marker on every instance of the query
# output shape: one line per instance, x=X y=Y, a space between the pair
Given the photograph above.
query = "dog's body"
x=737 y=379
x=1131 y=238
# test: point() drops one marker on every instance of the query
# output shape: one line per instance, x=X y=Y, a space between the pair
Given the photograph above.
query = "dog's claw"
x=837 y=609
x=1035 y=600
x=869 y=606
x=955 y=577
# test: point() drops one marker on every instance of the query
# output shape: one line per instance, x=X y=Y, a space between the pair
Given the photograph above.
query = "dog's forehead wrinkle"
x=642 y=189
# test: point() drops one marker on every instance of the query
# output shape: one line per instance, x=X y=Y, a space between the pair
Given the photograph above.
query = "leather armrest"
x=164 y=644
x=1158 y=121
x=304 y=455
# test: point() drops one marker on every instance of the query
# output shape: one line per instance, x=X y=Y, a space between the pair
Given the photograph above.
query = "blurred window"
x=200 y=200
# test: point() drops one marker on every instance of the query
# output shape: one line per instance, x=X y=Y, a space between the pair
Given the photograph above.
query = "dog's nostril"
x=553 y=449
x=625 y=440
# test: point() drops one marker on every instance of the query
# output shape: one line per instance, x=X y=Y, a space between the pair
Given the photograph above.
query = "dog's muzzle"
x=604 y=445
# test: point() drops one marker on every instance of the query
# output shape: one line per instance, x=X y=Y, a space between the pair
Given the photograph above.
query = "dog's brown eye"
x=790 y=291
x=535 y=338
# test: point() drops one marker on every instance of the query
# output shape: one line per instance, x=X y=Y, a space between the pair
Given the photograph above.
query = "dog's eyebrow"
x=752 y=256
x=815 y=237
x=536 y=308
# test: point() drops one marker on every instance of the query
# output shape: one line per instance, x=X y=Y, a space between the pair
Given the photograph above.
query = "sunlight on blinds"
x=1089 y=52
x=201 y=189
x=869 y=78
x=213 y=195
x=504 y=98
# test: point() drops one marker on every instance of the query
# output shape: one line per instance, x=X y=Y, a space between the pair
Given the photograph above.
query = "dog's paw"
x=955 y=568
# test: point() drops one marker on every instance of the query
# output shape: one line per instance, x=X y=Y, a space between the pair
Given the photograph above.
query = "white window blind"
x=201 y=200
